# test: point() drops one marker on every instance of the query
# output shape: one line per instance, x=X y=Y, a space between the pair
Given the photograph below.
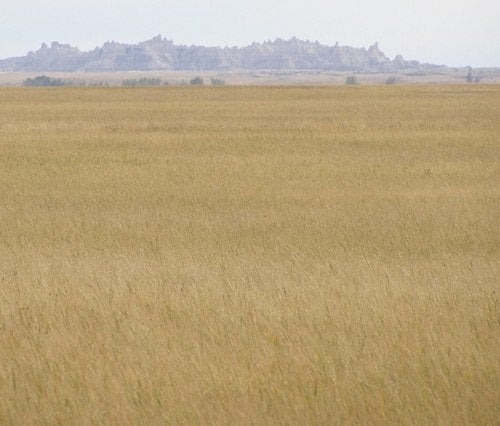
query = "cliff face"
x=161 y=54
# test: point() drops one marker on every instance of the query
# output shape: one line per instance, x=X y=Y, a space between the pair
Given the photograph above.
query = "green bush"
x=197 y=81
x=217 y=82
x=142 y=82
x=351 y=79
x=42 y=81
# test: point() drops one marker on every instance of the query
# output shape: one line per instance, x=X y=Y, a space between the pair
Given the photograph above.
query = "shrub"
x=391 y=80
x=217 y=82
x=351 y=79
x=469 y=78
x=142 y=82
x=42 y=81
x=197 y=81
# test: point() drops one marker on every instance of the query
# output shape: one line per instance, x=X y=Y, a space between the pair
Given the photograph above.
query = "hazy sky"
x=453 y=32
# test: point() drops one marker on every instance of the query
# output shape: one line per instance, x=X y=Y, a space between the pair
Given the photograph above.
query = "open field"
x=246 y=255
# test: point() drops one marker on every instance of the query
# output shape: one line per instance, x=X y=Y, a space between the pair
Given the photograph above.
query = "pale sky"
x=451 y=32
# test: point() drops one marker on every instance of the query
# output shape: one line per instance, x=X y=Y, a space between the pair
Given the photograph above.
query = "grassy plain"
x=250 y=255
x=258 y=78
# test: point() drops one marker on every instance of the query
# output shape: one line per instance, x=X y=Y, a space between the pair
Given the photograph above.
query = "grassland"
x=250 y=255
x=258 y=78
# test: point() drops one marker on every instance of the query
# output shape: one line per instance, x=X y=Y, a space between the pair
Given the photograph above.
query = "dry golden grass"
x=250 y=256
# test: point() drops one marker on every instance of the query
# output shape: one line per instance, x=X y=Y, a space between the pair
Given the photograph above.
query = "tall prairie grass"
x=250 y=255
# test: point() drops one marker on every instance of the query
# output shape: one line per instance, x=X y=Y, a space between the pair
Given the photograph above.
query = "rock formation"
x=162 y=54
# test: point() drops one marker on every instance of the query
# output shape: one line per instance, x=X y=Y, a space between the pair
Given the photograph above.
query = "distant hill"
x=162 y=54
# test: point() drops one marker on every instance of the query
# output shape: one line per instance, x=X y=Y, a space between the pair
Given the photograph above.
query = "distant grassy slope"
x=262 y=78
x=244 y=255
